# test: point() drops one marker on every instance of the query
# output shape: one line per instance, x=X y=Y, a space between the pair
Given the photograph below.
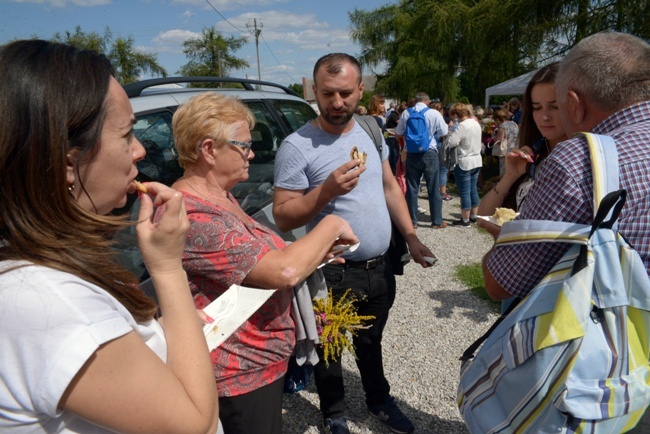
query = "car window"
x=160 y=163
x=295 y=113
x=154 y=131
x=257 y=191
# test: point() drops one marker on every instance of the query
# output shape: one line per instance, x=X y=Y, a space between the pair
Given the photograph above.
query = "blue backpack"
x=417 y=132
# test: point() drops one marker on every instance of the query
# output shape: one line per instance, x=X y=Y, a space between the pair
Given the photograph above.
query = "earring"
x=71 y=190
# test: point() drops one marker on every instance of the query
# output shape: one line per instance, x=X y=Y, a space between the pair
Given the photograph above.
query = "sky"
x=294 y=33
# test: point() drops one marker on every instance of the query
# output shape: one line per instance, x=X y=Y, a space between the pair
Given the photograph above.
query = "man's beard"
x=340 y=119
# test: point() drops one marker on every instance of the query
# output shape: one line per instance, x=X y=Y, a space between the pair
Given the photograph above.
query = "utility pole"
x=256 y=33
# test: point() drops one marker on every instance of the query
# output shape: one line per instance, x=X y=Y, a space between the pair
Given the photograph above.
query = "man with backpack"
x=421 y=127
x=613 y=103
x=591 y=98
x=316 y=175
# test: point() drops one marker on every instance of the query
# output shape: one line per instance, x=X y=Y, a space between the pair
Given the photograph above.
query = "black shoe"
x=472 y=219
x=335 y=425
x=462 y=223
x=392 y=416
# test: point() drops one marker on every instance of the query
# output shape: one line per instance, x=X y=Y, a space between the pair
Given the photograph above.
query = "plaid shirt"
x=563 y=191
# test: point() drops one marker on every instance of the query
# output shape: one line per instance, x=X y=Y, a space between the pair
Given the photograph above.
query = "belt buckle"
x=372 y=263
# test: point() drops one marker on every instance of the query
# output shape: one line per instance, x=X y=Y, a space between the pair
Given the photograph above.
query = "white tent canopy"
x=514 y=86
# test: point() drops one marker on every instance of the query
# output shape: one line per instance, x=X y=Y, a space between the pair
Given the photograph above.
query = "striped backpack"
x=572 y=356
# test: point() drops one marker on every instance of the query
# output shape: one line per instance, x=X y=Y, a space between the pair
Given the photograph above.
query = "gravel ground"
x=434 y=319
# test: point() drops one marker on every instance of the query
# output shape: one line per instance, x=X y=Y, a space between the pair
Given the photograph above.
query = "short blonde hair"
x=206 y=115
x=460 y=109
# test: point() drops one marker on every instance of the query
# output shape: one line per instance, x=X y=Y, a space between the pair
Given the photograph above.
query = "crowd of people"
x=475 y=135
x=83 y=349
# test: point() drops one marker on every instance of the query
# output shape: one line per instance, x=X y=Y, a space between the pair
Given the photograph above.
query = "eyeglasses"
x=246 y=146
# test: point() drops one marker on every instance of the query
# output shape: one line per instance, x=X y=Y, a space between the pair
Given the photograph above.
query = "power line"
x=265 y=43
x=225 y=19
x=278 y=62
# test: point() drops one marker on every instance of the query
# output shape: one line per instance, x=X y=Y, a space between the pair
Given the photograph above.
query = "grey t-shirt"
x=307 y=157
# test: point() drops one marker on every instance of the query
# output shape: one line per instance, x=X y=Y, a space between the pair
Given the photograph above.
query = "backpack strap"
x=604 y=165
x=369 y=125
x=537 y=231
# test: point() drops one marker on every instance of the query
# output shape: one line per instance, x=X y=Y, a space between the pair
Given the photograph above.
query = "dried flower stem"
x=334 y=321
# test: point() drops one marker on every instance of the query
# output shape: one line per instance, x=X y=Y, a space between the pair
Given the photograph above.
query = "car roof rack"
x=135 y=89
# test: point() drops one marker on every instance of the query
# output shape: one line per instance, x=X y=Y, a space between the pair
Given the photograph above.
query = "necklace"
x=227 y=197
x=232 y=206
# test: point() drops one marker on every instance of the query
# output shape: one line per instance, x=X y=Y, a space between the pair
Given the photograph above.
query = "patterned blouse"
x=220 y=250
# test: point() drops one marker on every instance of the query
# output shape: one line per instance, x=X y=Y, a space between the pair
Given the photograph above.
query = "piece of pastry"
x=502 y=215
x=140 y=187
x=356 y=155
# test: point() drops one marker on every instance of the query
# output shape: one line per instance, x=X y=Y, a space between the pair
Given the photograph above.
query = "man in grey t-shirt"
x=315 y=176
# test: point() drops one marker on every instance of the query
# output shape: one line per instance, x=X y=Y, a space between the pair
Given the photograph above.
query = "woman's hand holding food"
x=161 y=243
x=493 y=225
x=517 y=161
x=490 y=227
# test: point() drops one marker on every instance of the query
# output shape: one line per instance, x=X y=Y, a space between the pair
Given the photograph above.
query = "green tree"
x=212 y=55
x=296 y=88
x=86 y=41
x=460 y=47
x=128 y=62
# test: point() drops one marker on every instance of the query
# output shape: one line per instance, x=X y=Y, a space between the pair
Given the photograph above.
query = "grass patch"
x=471 y=275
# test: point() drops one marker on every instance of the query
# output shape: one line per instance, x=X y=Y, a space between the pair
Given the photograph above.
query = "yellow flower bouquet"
x=334 y=321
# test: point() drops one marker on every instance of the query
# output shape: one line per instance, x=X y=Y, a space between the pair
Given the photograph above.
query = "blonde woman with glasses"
x=225 y=246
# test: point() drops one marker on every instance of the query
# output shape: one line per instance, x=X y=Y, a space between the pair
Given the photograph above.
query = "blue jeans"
x=375 y=291
x=442 y=176
x=467 y=181
x=417 y=165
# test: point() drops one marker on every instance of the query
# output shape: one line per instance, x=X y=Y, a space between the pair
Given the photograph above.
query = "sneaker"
x=421 y=210
x=392 y=416
x=461 y=223
x=335 y=425
x=472 y=219
x=446 y=197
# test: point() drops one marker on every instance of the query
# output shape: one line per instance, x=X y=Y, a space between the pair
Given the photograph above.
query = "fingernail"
x=209 y=319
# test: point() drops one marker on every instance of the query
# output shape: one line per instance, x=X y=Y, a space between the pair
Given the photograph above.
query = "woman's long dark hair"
x=529 y=134
x=52 y=99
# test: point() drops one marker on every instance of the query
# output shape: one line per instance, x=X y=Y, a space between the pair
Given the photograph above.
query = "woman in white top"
x=467 y=138
x=80 y=350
